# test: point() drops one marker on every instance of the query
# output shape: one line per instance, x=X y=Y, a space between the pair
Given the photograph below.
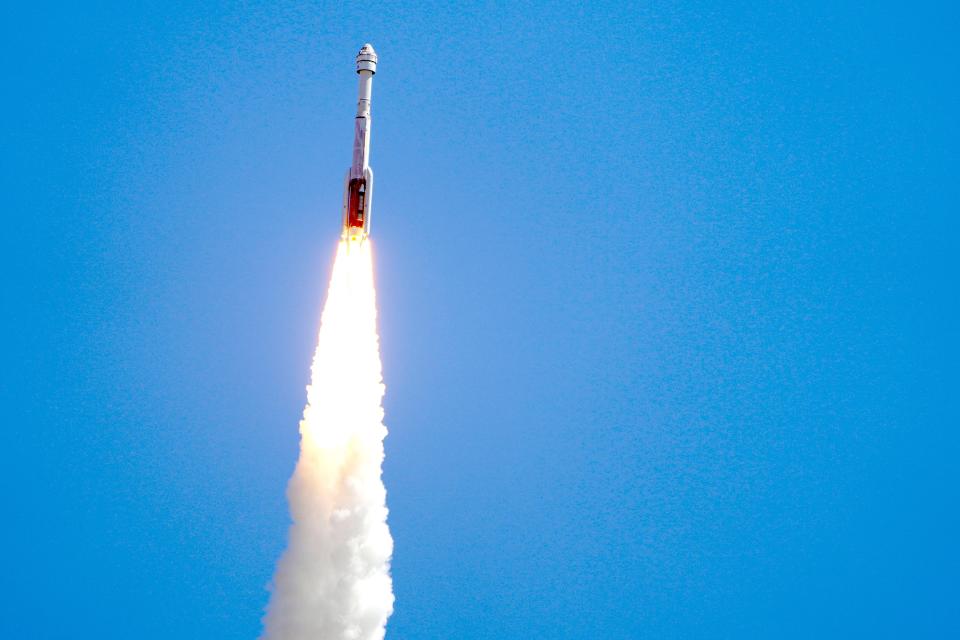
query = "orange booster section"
x=356 y=203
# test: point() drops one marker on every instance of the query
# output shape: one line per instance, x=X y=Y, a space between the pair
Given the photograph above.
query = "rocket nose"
x=367 y=59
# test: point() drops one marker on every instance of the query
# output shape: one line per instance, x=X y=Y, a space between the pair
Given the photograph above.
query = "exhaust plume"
x=333 y=581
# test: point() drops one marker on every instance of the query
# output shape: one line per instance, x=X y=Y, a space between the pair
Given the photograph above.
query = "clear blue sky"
x=668 y=312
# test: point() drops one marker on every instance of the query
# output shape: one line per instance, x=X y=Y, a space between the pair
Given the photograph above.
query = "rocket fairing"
x=358 y=186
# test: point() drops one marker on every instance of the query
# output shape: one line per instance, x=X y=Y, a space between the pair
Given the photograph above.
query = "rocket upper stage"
x=358 y=188
x=367 y=59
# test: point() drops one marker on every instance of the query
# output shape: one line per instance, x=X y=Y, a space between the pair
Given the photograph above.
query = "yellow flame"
x=344 y=397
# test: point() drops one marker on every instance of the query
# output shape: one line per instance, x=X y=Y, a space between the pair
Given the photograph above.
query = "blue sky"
x=666 y=298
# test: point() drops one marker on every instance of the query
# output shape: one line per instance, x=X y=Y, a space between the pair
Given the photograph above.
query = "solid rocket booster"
x=358 y=191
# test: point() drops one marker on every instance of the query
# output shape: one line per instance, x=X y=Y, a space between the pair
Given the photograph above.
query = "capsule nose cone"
x=367 y=59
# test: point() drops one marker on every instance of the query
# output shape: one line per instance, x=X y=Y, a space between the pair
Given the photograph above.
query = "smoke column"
x=333 y=581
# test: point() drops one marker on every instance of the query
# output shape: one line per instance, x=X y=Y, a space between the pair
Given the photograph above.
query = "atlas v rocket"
x=358 y=187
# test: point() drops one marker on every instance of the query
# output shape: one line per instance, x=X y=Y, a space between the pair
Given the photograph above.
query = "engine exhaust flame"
x=333 y=581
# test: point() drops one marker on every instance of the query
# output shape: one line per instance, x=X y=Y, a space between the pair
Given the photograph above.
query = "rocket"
x=358 y=186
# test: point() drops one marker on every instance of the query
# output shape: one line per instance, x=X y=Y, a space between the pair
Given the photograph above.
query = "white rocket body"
x=358 y=186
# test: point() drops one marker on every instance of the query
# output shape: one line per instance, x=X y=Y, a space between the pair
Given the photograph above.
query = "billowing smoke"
x=333 y=581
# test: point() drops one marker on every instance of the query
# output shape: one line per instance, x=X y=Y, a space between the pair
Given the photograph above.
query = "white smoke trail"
x=333 y=581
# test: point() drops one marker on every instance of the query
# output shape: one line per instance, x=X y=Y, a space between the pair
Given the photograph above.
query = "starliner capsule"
x=358 y=188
